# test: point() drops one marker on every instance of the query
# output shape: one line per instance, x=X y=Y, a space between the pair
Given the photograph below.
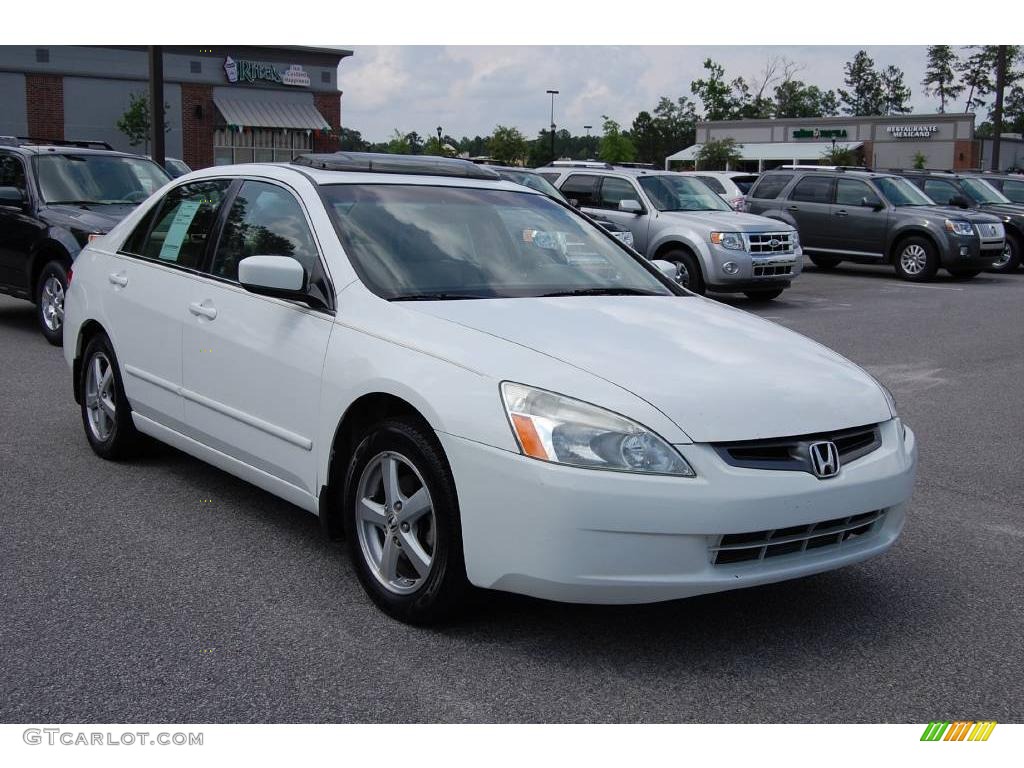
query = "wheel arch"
x=48 y=250
x=905 y=234
x=88 y=330
x=366 y=410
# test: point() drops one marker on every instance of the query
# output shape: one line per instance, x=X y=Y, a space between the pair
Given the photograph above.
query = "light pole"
x=587 y=128
x=553 y=94
x=440 y=148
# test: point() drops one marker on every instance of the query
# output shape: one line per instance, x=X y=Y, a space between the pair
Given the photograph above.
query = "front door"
x=18 y=228
x=613 y=190
x=859 y=213
x=252 y=364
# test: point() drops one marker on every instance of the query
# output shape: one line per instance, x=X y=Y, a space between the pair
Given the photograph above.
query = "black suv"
x=975 y=190
x=54 y=197
x=855 y=214
x=1010 y=184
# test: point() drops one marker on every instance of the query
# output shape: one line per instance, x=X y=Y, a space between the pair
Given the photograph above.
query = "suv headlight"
x=795 y=239
x=959 y=227
x=731 y=240
x=559 y=429
x=626 y=237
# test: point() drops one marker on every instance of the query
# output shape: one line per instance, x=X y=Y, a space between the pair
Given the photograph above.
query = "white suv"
x=478 y=386
x=731 y=186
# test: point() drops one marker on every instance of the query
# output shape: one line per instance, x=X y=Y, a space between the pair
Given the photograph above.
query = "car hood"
x=91 y=218
x=731 y=221
x=1004 y=209
x=718 y=373
x=967 y=214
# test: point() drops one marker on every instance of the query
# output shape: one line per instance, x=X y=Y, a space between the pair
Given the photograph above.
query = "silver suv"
x=680 y=219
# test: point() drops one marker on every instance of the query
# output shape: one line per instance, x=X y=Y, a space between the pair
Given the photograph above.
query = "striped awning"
x=270 y=114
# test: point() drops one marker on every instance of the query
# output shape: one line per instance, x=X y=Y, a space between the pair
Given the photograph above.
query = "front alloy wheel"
x=50 y=289
x=916 y=260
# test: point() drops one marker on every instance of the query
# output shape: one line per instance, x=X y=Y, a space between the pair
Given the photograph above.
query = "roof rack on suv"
x=805 y=167
x=922 y=170
x=581 y=164
x=21 y=141
x=379 y=162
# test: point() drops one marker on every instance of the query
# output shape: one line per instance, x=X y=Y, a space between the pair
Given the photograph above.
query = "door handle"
x=118 y=278
x=793 y=208
x=202 y=310
x=842 y=213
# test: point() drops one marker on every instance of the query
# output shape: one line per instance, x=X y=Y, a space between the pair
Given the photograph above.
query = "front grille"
x=990 y=231
x=767 y=243
x=772 y=270
x=793 y=453
x=797 y=539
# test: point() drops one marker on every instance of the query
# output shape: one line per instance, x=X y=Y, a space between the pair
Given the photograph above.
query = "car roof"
x=855 y=172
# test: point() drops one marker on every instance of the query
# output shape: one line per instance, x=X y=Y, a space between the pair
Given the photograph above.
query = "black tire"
x=444 y=590
x=915 y=259
x=122 y=439
x=963 y=273
x=825 y=262
x=765 y=295
x=693 y=278
x=50 y=290
x=1014 y=247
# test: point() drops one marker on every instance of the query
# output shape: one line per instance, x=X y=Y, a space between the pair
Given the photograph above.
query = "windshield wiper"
x=73 y=202
x=604 y=292
x=439 y=296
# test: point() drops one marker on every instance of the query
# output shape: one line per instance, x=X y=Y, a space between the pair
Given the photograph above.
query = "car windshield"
x=533 y=181
x=983 y=192
x=437 y=243
x=681 y=193
x=900 y=192
x=98 y=179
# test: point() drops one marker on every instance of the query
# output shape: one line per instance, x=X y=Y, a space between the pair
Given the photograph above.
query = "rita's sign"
x=819 y=133
x=245 y=71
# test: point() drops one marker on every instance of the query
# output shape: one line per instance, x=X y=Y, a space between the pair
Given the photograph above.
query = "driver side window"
x=614 y=190
x=12 y=172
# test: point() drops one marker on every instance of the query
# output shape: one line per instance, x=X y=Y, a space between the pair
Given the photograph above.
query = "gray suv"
x=680 y=219
x=858 y=215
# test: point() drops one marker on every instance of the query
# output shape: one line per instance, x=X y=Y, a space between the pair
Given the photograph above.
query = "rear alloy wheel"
x=1010 y=259
x=825 y=262
x=916 y=260
x=689 y=275
x=50 y=290
x=106 y=415
x=402 y=524
x=765 y=295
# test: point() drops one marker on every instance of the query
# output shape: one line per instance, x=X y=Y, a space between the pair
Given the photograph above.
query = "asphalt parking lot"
x=166 y=590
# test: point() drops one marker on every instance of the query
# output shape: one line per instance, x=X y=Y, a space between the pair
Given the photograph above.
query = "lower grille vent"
x=762 y=545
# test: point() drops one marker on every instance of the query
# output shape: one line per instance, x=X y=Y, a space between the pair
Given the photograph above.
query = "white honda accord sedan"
x=477 y=387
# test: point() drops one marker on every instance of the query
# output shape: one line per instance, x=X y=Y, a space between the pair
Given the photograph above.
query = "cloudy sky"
x=468 y=89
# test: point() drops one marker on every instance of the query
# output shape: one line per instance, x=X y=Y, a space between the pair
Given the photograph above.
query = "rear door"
x=252 y=365
x=859 y=213
x=144 y=290
x=810 y=205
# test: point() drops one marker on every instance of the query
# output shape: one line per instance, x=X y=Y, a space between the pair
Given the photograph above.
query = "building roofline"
x=914 y=118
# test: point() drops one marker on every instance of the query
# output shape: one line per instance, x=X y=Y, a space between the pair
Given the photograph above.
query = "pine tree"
x=895 y=93
x=940 y=76
x=865 y=95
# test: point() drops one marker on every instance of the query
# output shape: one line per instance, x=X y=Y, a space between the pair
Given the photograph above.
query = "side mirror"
x=960 y=201
x=12 y=196
x=630 y=206
x=280 y=276
x=667 y=268
x=875 y=205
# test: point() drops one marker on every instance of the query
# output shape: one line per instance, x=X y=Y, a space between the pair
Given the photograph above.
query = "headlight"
x=562 y=430
x=959 y=227
x=731 y=240
x=626 y=237
x=795 y=239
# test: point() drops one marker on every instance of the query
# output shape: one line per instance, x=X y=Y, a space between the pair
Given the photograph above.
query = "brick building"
x=223 y=104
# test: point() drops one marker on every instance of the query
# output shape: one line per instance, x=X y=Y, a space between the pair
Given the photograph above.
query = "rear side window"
x=582 y=189
x=940 y=191
x=613 y=190
x=179 y=230
x=264 y=220
x=1014 y=190
x=813 y=189
x=769 y=187
x=714 y=183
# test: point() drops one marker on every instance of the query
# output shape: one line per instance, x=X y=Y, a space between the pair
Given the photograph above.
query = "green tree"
x=676 y=126
x=508 y=146
x=616 y=146
x=351 y=140
x=895 y=94
x=399 y=144
x=865 y=95
x=976 y=75
x=136 y=121
x=940 y=76
x=794 y=98
x=646 y=137
x=838 y=156
x=714 y=92
x=920 y=160
x=718 y=155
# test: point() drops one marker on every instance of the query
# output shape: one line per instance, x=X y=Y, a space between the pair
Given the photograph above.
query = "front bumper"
x=578 y=535
x=753 y=271
x=971 y=252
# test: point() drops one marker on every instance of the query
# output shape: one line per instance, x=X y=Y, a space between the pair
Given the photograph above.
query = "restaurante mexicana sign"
x=911 y=131
x=246 y=71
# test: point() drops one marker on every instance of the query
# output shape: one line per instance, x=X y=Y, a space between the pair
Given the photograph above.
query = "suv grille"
x=793 y=453
x=762 y=545
x=772 y=270
x=990 y=231
x=769 y=243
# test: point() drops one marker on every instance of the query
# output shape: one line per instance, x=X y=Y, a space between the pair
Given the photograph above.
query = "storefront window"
x=262 y=145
